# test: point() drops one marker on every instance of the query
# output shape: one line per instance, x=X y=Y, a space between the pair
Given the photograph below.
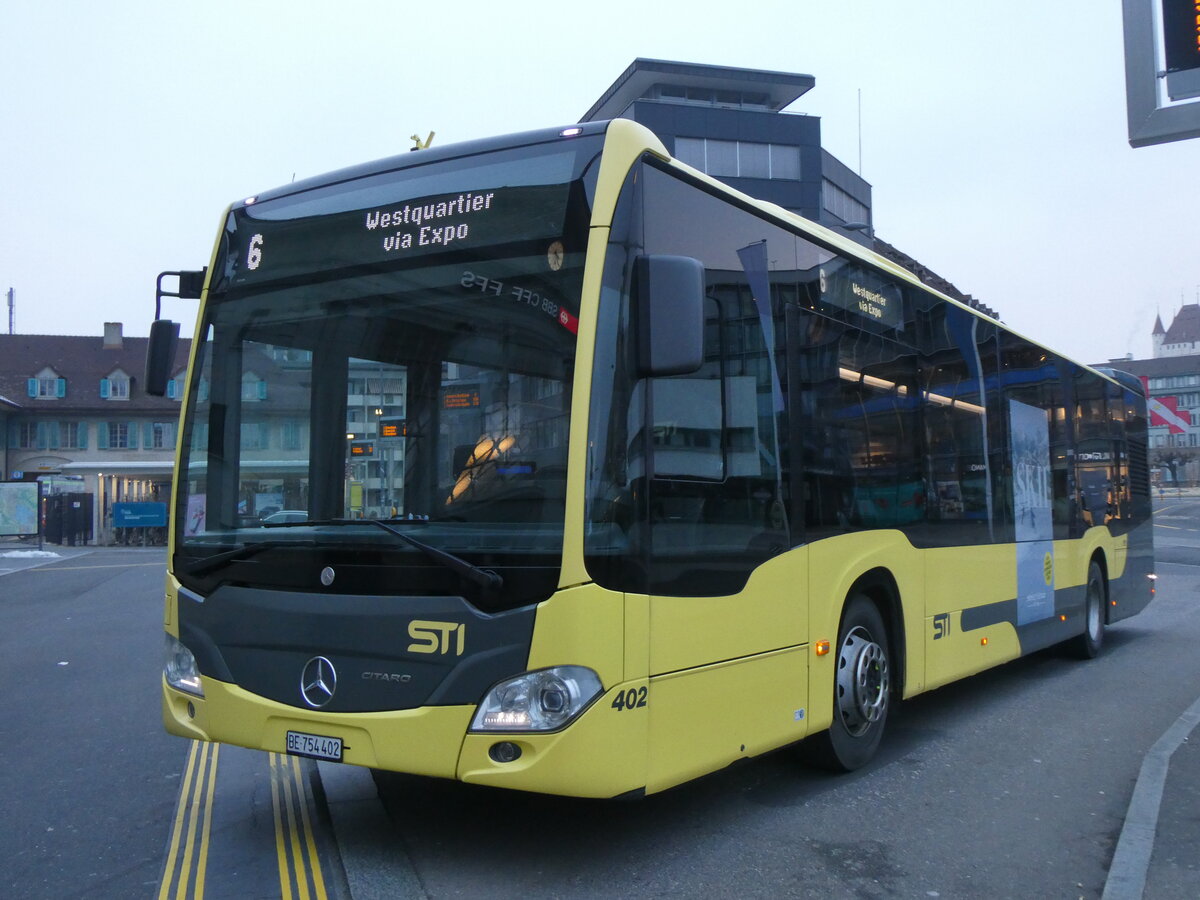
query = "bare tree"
x=1174 y=459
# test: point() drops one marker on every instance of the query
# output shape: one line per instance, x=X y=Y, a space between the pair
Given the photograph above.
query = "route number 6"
x=254 y=257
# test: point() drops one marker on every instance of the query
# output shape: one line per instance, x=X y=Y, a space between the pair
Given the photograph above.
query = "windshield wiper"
x=487 y=580
x=211 y=563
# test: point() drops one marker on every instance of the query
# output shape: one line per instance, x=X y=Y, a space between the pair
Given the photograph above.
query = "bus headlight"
x=545 y=700
x=180 y=668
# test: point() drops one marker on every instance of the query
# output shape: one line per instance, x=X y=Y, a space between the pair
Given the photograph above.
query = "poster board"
x=18 y=508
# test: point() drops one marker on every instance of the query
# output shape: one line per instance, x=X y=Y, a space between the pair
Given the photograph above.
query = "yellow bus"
x=550 y=463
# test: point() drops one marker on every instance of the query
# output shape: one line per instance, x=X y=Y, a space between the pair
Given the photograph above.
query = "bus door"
x=726 y=617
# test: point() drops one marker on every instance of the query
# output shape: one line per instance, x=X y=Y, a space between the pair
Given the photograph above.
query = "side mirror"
x=160 y=355
x=669 y=296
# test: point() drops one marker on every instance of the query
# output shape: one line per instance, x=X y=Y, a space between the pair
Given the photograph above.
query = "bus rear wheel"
x=861 y=692
x=1089 y=644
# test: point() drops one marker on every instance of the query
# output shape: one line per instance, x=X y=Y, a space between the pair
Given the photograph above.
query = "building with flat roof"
x=734 y=124
x=731 y=123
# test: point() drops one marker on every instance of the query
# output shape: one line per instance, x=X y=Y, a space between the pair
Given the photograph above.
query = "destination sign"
x=862 y=292
x=267 y=248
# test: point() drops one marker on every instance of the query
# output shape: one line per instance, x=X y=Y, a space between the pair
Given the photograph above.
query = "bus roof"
x=635 y=132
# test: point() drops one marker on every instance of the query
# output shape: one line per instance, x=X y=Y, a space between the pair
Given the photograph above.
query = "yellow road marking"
x=208 y=808
x=186 y=867
x=310 y=841
x=197 y=791
x=177 y=829
x=295 y=852
x=285 y=876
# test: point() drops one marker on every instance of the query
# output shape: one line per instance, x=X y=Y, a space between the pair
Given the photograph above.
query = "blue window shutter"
x=43 y=435
x=262 y=390
x=103 y=388
x=134 y=428
x=55 y=435
x=102 y=435
x=171 y=389
x=60 y=388
x=83 y=430
x=31 y=385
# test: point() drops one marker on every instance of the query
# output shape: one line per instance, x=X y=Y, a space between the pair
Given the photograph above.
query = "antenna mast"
x=12 y=310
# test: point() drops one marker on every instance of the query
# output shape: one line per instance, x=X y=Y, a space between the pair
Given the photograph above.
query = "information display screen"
x=1181 y=34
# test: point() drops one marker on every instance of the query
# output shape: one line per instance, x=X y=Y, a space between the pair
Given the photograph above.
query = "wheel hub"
x=863 y=682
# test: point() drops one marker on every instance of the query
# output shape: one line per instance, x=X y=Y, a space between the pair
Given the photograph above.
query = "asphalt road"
x=88 y=778
x=1014 y=783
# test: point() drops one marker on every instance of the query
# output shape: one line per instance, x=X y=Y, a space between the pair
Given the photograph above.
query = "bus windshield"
x=398 y=348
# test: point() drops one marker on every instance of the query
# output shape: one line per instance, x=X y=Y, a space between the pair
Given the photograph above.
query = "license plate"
x=316 y=746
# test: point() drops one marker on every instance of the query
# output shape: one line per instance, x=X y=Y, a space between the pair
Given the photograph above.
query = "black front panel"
x=386 y=653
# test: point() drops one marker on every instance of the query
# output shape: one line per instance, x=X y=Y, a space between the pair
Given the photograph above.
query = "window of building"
x=291 y=435
x=754 y=160
x=159 y=435
x=721 y=158
x=47 y=385
x=115 y=386
x=739 y=159
x=74 y=435
x=255 y=436
x=701 y=96
x=785 y=162
x=48 y=436
x=253 y=387
x=842 y=205
x=117 y=435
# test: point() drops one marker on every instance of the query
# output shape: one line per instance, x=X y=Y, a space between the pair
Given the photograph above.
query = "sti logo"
x=437 y=637
x=941 y=626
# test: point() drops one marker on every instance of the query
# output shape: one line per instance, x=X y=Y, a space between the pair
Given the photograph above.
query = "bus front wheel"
x=861 y=691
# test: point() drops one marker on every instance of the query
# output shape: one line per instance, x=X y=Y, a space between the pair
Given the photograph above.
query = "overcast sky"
x=994 y=135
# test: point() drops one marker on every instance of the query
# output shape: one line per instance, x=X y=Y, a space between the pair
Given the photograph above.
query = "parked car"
x=286 y=515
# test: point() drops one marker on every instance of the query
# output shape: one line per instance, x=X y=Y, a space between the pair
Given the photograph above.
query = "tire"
x=861 y=690
x=1089 y=644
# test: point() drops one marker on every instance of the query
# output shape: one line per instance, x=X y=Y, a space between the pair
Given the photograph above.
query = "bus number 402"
x=634 y=698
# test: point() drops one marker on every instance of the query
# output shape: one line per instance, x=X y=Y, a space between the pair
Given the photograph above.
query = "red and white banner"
x=1165 y=411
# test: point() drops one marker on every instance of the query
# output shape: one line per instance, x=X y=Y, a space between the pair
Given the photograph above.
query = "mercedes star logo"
x=318 y=681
